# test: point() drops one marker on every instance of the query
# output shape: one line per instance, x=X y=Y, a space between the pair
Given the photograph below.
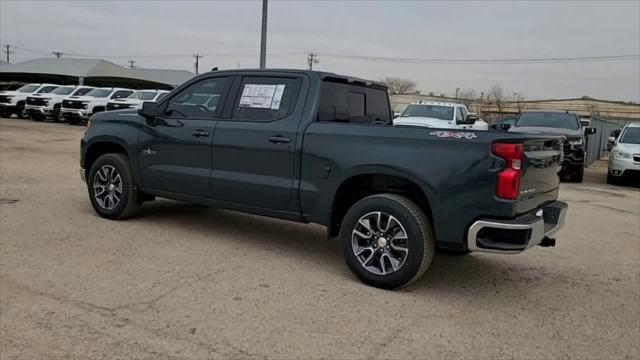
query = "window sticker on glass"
x=262 y=96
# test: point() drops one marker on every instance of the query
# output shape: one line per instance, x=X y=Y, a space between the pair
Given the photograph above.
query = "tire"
x=5 y=114
x=611 y=179
x=56 y=114
x=21 y=112
x=102 y=174
x=374 y=266
x=577 y=174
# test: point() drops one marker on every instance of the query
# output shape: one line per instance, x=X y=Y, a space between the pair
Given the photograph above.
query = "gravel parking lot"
x=182 y=281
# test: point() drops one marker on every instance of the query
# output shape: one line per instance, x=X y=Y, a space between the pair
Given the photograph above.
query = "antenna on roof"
x=58 y=54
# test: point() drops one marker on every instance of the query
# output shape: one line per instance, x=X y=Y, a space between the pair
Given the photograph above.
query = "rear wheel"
x=111 y=187
x=387 y=241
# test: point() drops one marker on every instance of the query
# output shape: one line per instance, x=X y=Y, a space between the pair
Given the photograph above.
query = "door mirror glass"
x=585 y=122
x=505 y=126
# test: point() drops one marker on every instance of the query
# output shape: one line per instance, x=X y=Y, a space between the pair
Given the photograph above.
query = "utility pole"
x=8 y=51
x=58 y=54
x=312 y=58
x=263 y=37
x=197 y=56
x=132 y=64
x=457 y=90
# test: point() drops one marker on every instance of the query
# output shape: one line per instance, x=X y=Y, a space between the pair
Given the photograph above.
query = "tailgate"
x=539 y=181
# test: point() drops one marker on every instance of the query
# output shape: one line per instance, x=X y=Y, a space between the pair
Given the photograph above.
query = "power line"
x=312 y=58
x=487 y=61
x=197 y=56
x=58 y=54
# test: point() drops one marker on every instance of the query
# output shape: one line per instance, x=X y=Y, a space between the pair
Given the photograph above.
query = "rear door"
x=175 y=148
x=254 y=148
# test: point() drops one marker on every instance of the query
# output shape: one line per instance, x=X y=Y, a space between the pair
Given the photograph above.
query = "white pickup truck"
x=135 y=100
x=41 y=106
x=14 y=102
x=79 y=108
x=440 y=115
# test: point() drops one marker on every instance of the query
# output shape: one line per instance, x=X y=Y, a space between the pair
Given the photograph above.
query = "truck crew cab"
x=14 y=102
x=321 y=148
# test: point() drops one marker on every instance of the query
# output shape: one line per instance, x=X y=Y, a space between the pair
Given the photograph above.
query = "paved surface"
x=189 y=282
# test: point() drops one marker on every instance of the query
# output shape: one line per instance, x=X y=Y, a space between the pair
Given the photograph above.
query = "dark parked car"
x=318 y=147
x=558 y=123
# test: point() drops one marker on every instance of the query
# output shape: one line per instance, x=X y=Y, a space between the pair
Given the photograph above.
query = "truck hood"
x=11 y=93
x=569 y=133
x=130 y=114
x=422 y=121
x=628 y=148
x=126 y=101
x=80 y=98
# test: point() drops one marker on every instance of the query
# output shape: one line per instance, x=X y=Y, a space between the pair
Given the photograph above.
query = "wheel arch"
x=366 y=183
x=100 y=147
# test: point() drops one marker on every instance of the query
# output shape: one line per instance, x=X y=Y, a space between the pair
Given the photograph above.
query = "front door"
x=175 y=148
x=254 y=153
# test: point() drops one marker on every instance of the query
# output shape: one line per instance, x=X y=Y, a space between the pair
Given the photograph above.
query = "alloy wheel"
x=107 y=187
x=380 y=243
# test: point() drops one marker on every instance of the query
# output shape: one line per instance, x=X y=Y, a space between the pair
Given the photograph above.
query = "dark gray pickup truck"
x=321 y=148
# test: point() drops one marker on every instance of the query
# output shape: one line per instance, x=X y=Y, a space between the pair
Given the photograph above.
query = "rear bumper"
x=516 y=235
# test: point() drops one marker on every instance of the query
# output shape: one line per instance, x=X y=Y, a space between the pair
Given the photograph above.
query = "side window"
x=341 y=102
x=203 y=99
x=459 y=116
x=266 y=98
x=464 y=113
x=121 y=94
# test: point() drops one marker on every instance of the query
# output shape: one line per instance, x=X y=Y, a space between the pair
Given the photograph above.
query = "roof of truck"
x=439 y=103
x=323 y=75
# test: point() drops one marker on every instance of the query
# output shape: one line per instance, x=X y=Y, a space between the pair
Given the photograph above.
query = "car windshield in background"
x=82 y=91
x=430 y=111
x=99 y=93
x=46 y=89
x=65 y=90
x=551 y=120
x=28 y=88
x=143 y=95
x=631 y=136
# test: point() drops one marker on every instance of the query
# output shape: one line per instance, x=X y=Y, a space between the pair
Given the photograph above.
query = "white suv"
x=624 y=159
x=79 y=108
x=135 y=100
x=441 y=115
x=40 y=106
x=14 y=102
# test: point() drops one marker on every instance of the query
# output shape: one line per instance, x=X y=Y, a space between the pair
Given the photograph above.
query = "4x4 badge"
x=454 y=134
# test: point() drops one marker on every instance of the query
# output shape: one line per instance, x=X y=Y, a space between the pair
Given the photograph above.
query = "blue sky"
x=228 y=33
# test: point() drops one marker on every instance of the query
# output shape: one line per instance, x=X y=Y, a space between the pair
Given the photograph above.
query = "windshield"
x=551 y=120
x=99 y=93
x=46 y=89
x=630 y=136
x=143 y=95
x=82 y=91
x=28 y=88
x=431 y=111
x=65 y=90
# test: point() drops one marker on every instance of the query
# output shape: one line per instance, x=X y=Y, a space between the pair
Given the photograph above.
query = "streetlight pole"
x=263 y=39
x=457 y=90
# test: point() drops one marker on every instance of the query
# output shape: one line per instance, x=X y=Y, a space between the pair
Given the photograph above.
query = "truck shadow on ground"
x=448 y=275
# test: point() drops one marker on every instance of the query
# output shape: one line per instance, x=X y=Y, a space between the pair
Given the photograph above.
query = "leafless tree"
x=467 y=96
x=398 y=86
x=497 y=93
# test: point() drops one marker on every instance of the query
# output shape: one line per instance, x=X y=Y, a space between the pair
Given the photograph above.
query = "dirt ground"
x=188 y=282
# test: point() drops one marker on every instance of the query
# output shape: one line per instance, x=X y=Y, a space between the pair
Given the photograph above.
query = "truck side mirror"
x=585 y=122
x=149 y=109
x=470 y=119
x=505 y=126
x=589 y=130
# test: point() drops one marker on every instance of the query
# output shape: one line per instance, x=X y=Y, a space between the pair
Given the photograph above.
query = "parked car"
x=14 y=102
x=76 y=109
x=135 y=100
x=624 y=160
x=505 y=120
x=41 y=106
x=440 y=115
x=319 y=147
x=558 y=123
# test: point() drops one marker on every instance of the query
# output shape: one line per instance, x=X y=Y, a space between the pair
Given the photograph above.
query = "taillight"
x=508 y=184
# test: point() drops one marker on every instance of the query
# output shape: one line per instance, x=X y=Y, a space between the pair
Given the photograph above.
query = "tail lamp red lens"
x=508 y=184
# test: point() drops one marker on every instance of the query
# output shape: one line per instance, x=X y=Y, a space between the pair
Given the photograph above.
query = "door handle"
x=200 y=133
x=279 y=139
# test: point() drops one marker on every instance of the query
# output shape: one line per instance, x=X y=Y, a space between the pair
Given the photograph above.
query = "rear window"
x=548 y=119
x=351 y=103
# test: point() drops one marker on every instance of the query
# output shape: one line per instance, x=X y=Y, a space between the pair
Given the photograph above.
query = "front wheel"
x=21 y=111
x=387 y=241
x=111 y=187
